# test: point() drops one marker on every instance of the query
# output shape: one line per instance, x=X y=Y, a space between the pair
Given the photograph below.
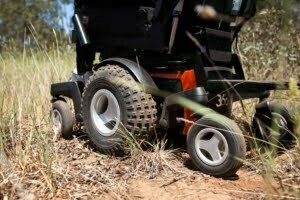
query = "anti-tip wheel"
x=277 y=129
x=216 y=146
x=62 y=120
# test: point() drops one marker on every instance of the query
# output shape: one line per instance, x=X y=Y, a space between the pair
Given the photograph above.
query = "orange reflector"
x=188 y=81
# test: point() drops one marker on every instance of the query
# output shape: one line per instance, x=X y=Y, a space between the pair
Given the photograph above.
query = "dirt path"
x=81 y=173
x=150 y=176
x=248 y=186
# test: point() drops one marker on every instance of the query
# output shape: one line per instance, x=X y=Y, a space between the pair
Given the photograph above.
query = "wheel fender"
x=68 y=89
x=140 y=74
x=263 y=111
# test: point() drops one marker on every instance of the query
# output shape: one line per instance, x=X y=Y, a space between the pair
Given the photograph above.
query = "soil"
x=81 y=173
x=150 y=175
x=248 y=186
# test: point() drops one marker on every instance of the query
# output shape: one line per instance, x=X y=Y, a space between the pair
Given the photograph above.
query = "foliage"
x=20 y=18
x=33 y=164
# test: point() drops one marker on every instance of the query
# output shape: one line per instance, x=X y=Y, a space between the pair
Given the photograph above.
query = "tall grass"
x=27 y=149
x=26 y=139
x=30 y=157
x=271 y=55
x=25 y=77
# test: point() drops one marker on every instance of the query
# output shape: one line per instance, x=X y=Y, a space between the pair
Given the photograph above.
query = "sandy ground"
x=136 y=178
x=248 y=186
x=82 y=173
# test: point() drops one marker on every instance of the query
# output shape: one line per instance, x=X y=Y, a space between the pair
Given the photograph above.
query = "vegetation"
x=19 y=19
x=34 y=165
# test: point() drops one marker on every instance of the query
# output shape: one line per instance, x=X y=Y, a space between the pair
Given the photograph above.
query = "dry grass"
x=270 y=54
x=33 y=165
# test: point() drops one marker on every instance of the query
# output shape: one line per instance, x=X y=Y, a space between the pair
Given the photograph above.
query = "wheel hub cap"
x=57 y=122
x=281 y=124
x=105 y=112
x=211 y=146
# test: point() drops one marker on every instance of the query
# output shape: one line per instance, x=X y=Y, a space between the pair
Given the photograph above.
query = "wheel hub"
x=281 y=124
x=278 y=128
x=105 y=112
x=211 y=146
x=56 y=122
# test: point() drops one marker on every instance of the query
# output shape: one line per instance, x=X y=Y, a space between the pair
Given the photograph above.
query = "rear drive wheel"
x=62 y=120
x=114 y=104
x=216 y=146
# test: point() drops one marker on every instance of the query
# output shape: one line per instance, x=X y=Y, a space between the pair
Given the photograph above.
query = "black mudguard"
x=263 y=112
x=140 y=74
x=71 y=90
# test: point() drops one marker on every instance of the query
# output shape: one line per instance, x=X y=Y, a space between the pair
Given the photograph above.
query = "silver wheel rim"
x=281 y=123
x=56 y=122
x=211 y=146
x=105 y=112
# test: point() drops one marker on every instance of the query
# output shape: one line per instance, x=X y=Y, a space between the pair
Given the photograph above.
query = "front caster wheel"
x=276 y=127
x=62 y=120
x=216 y=146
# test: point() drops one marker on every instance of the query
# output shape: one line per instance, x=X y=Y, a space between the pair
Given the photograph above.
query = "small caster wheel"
x=281 y=122
x=62 y=120
x=216 y=146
